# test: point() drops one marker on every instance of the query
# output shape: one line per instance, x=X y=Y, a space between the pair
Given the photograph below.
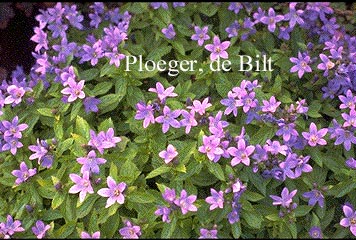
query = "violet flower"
x=315 y=196
x=90 y=104
x=169 y=154
x=85 y=235
x=350 y=218
x=163 y=93
x=168 y=119
x=348 y=101
x=200 y=35
x=200 y=107
x=241 y=153
x=315 y=232
x=15 y=95
x=216 y=200
x=114 y=192
x=211 y=146
x=218 y=49
x=169 y=31
x=23 y=174
x=90 y=163
x=326 y=64
x=208 y=234
x=301 y=64
x=286 y=198
x=185 y=202
x=9 y=227
x=188 y=120
x=74 y=90
x=82 y=185
x=315 y=136
x=40 y=229
x=145 y=112
x=271 y=105
x=130 y=231
x=271 y=19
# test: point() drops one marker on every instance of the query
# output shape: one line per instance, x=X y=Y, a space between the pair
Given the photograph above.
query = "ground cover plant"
x=182 y=120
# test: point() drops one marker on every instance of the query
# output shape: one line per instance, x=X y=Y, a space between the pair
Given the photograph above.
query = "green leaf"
x=82 y=127
x=223 y=85
x=102 y=88
x=46 y=112
x=302 y=210
x=106 y=124
x=129 y=171
x=252 y=218
x=140 y=196
x=313 y=110
x=179 y=47
x=252 y=196
x=57 y=200
x=262 y=135
x=342 y=188
x=109 y=102
x=158 y=171
x=64 y=145
x=158 y=53
x=85 y=208
x=89 y=74
x=58 y=129
x=75 y=109
x=113 y=170
x=107 y=70
x=293 y=229
x=65 y=230
x=236 y=230
x=168 y=228
x=216 y=170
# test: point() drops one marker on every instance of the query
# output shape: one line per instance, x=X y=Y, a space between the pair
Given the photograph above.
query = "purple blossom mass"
x=169 y=154
x=241 y=153
x=200 y=35
x=114 y=193
x=74 y=90
x=23 y=174
x=85 y=235
x=145 y=112
x=169 y=32
x=130 y=231
x=40 y=229
x=286 y=198
x=163 y=93
x=301 y=64
x=168 y=119
x=82 y=185
x=315 y=136
x=185 y=202
x=216 y=200
x=218 y=49
x=271 y=19
x=90 y=163
x=350 y=218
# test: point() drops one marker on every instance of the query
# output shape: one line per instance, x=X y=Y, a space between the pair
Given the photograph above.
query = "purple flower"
x=85 y=235
x=90 y=104
x=326 y=64
x=248 y=101
x=284 y=32
x=344 y=136
x=286 y=130
x=216 y=199
x=211 y=146
x=163 y=93
x=40 y=150
x=350 y=218
x=16 y=94
x=74 y=90
x=156 y=5
x=9 y=227
x=271 y=19
x=302 y=166
x=275 y=147
x=13 y=129
x=218 y=49
x=40 y=38
x=115 y=57
x=169 y=31
x=350 y=119
x=178 y=4
x=169 y=195
x=185 y=202
x=314 y=136
x=233 y=29
x=315 y=196
x=145 y=112
x=230 y=103
x=82 y=185
x=40 y=229
x=130 y=231
x=23 y=174
x=294 y=15
x=73 y=17
x=201 y=34
x=114 y=192
x=164 y=212
x=168 y=119
x=315 y=232
x=286 y=198
x=91 y=162
x=208 y=234
x=92 y=54
x=200 y=107
x=188 y=121
x=169 y=154
x=241 y=153
x=301 y=64
x=351 y=163
x=348 y=101
x=235 y=7
x=271 y=105
x=258 y=15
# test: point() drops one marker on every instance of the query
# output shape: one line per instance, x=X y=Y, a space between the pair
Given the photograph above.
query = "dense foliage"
x=183 y=120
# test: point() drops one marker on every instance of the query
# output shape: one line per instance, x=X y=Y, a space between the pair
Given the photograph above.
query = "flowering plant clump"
x=182 y=120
